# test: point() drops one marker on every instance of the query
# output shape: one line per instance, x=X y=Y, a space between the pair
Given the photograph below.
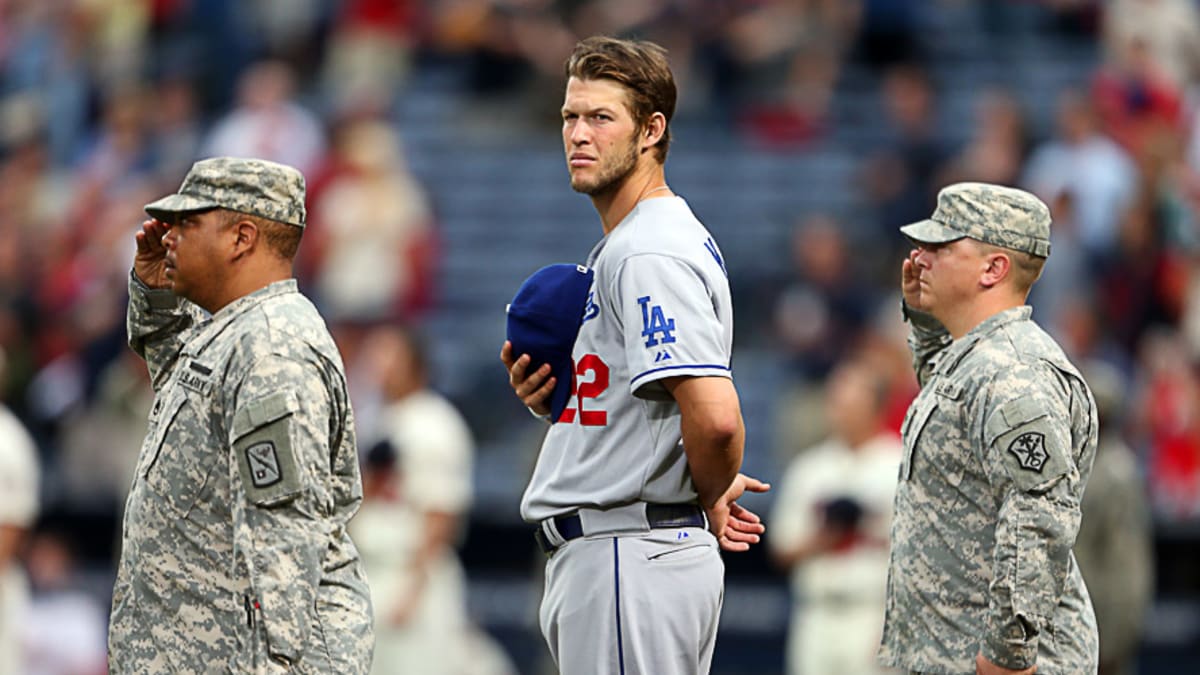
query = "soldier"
x=235 y=556
x=997 y=450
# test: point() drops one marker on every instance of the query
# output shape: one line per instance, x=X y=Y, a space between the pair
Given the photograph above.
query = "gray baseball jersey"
x=623 y=599
x=659 y=307
x=234 y=553
x=998 y=447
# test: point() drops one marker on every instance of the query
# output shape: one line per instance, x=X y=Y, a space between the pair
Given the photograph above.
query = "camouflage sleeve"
x=1031 y=467
x=154 y=321
x=928 y=338
x=279 y=436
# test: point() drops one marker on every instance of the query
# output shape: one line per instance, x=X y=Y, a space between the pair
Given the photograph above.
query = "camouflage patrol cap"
x=253 y=186
x=994 y=214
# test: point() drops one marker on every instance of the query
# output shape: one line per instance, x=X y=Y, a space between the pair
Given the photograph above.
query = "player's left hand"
x=735 y=526
x=985 y=667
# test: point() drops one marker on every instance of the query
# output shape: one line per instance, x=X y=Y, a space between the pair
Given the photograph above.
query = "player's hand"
x=910 y=281
x=985 y=667
x=533 y=388
x=150 y=261
x=735 y=526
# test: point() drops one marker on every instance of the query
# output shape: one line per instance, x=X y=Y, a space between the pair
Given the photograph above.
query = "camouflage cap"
x=253 y=186
x=994 y=214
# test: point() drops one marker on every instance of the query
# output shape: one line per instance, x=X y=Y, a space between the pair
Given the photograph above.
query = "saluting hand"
x=150 y=261
x=910 y=281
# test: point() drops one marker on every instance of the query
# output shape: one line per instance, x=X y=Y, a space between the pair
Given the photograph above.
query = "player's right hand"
x=735 y=526
x=910 y=281
x=150 y=261
x=533 y=388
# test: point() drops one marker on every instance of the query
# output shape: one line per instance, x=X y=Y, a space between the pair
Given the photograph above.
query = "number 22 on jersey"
x=582 y=390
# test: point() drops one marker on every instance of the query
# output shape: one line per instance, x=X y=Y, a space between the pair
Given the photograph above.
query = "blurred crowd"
x=104 y=104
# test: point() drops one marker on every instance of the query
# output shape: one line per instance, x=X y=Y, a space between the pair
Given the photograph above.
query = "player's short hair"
x=641 y=67
x=1026 y=267
x=282 y=238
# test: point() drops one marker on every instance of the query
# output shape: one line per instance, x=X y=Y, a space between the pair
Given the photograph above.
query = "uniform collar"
x=245 y=302
x=226 y=315
x=963 y=346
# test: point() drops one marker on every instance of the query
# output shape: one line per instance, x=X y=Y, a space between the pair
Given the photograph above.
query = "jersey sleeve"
x=671 y=323
x=18 y=473
x=793 y=518
x=436 y=452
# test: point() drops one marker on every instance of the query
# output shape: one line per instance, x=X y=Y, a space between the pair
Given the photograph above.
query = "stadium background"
x=807 y=131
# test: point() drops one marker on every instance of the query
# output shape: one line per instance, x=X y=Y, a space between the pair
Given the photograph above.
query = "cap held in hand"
x=544 y=320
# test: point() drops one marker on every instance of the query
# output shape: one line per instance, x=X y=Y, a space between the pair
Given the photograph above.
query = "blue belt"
x=658 y=516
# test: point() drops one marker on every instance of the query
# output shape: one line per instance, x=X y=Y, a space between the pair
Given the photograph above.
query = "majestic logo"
x=1030 y=449
x=654 y=322
x=264 y=464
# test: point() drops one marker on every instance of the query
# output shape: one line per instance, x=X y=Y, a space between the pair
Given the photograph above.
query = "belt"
x=658 y=516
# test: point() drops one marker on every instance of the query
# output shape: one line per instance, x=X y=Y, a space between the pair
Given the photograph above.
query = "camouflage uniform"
x=235 y=556
x=997 y=450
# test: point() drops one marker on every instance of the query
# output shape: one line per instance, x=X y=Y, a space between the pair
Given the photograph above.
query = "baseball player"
x=635 y=487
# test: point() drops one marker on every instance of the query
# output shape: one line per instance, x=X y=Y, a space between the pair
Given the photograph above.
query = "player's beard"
x=612 y=172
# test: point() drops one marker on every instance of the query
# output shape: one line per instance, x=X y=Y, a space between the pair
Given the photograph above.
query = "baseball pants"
x=636 y=604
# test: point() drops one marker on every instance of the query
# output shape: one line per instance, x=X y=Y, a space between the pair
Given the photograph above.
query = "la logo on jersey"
x=656 y=328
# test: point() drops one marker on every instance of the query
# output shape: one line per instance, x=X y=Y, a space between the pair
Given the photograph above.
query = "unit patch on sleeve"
x=262 y=446
x=1030 y=449
x=264 y=464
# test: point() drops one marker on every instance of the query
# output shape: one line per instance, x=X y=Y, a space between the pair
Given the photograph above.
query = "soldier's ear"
x=997 y=267
x=245 y=237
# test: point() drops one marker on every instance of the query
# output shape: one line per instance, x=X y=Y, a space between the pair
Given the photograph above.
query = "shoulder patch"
x=262 y=447
x=1030 y=449
x=264 y=464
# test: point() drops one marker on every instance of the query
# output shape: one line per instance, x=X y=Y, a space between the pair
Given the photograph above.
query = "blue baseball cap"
x=544 y=319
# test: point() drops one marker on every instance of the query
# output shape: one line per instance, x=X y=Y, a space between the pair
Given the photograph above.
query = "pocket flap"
x=1020 y=411
x=263 y=411
x=1011 y=415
